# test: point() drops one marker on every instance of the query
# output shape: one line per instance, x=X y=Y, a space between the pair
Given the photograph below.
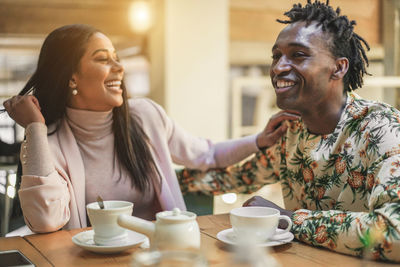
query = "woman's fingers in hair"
x=24 y=109
x=10 y=102
x=35 y=101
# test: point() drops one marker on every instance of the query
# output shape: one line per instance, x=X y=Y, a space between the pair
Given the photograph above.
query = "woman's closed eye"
x=107 y=59
x=103 y=59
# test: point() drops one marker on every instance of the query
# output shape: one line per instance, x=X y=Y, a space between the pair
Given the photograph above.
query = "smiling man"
x=339 y=164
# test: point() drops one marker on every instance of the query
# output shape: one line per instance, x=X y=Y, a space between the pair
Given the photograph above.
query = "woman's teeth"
x=113 y=84
x=283 y=84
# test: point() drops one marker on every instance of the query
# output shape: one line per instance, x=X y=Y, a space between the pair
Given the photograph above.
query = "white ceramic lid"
x=176 y=215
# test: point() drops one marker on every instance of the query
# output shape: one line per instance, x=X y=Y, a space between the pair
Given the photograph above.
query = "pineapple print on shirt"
x=344 y=187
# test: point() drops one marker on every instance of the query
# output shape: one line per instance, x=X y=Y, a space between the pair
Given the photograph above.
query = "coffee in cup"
x=107 y=232
x=256 y=224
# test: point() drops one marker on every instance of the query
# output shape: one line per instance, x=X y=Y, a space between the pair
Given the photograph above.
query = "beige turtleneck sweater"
x=105 y=177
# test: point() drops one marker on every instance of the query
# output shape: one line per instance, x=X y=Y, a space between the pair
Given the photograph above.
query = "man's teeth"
x=282 y=84
x=113 y=84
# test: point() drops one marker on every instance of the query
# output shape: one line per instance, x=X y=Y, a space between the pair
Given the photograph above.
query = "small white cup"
x=107 y=232
x=256 y=224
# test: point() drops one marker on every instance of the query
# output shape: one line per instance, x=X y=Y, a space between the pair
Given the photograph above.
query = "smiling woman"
x=84 y=138
x=98 y=77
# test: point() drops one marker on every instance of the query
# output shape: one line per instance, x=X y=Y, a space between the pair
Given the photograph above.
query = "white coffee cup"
x=256 y=224
x=107 y=232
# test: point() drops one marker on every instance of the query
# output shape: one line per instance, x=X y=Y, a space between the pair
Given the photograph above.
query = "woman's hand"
x=24 y=109
x=275 y=128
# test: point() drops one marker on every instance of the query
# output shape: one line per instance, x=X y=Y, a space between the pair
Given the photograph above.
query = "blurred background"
x=205 y=61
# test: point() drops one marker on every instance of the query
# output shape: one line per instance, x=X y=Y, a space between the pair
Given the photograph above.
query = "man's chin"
x=285 y=104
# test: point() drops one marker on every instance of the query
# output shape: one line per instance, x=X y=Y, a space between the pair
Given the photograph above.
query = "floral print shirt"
x=344 y=187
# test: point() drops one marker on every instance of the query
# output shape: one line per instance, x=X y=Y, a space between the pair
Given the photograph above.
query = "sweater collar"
x=89 y=125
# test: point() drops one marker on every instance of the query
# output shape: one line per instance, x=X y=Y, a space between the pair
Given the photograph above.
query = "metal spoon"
x=101 y=203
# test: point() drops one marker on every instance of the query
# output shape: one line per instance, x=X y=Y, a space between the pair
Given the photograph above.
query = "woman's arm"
x=35 y=152
x=231 y=152
x=43 y=193
x=202 y=154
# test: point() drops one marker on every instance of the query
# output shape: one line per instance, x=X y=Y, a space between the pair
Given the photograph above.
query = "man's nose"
x=283 y=65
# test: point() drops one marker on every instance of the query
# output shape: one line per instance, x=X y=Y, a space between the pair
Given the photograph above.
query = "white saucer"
x=228 y=237
x=85 y=241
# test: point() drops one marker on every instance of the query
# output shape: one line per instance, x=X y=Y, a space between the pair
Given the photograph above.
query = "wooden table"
x=57 y=249
x=21 y=244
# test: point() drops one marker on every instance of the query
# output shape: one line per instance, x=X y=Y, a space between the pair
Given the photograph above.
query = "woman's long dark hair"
x=59 y=58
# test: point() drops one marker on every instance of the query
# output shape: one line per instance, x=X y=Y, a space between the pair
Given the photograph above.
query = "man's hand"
x=275 y=128
x=262 y=202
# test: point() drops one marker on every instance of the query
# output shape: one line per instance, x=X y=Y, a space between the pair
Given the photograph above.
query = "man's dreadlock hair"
x=346 y=43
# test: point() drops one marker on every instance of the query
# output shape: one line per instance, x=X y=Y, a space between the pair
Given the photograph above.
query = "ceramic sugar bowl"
x=174 y=229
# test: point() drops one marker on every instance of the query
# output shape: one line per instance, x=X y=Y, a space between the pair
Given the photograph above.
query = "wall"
x=256 y=20
x=253 y=25
x=189 y=76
